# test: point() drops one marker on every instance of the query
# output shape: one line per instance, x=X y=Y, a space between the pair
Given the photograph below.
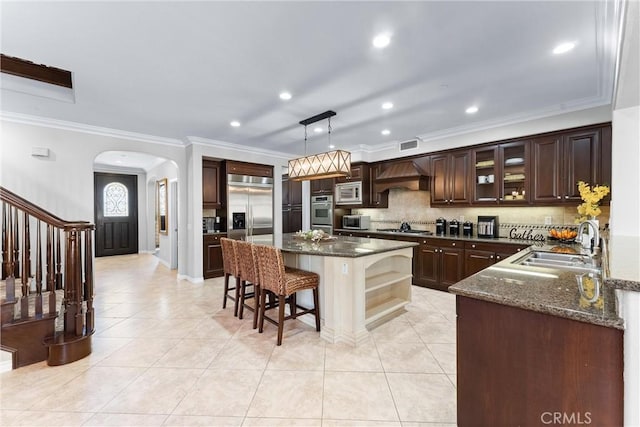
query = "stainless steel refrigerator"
x=250 y=206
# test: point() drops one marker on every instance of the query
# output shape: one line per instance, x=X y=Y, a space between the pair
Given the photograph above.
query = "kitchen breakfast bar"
x=363 y=282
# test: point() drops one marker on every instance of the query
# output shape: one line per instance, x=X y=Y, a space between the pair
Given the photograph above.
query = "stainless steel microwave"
x=356 y=222
x=349 y=193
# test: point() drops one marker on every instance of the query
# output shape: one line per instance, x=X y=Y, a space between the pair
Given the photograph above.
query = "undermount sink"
x=563 y=261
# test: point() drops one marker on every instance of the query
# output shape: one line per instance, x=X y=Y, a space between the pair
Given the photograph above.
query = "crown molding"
x=542 y=113
x=84 y=128
x=197 y=140
x=101 y=167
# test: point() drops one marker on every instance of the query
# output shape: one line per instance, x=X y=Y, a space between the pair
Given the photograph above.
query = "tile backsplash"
x=414 y=207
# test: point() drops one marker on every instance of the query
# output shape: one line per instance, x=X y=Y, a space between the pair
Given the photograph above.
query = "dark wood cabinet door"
x=575 y=368
x=452 y=266
x=212 y=256
x=322 y=186
x=377 y=200
x=357 y=174
x=581 y=161
x=475 y=260
x=547 y=169
x=285 y=192
x=295 y=192
x=459 y=177
x=291 y=219
x=211 y=185
x=485 y=181
x=426 y=263
x=439 y=180
x=251 y=169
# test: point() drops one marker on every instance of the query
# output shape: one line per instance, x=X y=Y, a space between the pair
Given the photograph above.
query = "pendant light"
x=330 y=164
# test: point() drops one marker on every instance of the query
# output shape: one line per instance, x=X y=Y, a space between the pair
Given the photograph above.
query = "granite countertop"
x=341 y=246
x=624 y=268
x=545 y=290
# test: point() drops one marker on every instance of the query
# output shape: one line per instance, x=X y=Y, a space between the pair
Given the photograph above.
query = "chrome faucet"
x=595 y=245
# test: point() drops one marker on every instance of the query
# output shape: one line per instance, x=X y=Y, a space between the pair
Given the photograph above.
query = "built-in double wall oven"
x=322 y=213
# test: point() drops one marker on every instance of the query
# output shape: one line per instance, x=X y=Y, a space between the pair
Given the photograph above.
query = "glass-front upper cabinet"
x=514 y=176
x=486 y=178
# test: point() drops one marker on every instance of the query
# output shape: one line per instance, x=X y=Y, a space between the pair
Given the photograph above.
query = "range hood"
x=409 y=174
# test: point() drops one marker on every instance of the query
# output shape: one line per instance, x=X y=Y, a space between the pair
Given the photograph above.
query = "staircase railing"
x=65 y=264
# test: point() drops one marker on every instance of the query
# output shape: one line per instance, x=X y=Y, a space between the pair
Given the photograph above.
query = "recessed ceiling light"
x=386 y=132
x=472 y=110
x=387 y=105
x=235 y=123
x=332 y=146
x=381 y=40
x=317 y=130
x=563 y=48
x=285 y=96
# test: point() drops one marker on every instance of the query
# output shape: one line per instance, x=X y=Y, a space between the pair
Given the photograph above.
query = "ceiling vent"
x=409 y=144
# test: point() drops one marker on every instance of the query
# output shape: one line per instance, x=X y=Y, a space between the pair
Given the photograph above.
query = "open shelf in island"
x=387 y=287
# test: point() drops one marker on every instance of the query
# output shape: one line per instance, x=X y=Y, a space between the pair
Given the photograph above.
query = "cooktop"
x=398 y=230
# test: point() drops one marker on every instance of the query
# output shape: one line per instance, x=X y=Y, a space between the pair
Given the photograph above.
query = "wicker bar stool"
x=283 y=282
x=249 y=276
x=231 y=267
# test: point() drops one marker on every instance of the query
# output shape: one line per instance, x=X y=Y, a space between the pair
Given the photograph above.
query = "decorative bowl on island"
x=314 y=235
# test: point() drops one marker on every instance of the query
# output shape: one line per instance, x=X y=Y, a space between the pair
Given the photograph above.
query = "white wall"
x=625 y=175
x=167 y=170
x=63 y=182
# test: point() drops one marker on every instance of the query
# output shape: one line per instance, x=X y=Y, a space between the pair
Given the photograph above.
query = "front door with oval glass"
x=116 y=211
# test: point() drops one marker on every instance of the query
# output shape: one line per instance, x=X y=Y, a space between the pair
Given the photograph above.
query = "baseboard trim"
x=190 y=279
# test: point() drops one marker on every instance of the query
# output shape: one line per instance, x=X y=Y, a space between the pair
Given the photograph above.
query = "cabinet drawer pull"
x=453 y=244
x=559 y=197
x=473 y=246
x=491 y=257
x=498 y=257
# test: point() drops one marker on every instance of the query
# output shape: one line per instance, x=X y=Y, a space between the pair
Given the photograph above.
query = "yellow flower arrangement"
x=591 y=196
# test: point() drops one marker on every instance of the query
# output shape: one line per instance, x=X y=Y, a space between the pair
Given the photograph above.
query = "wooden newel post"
x=88 y=281
x=73 y=321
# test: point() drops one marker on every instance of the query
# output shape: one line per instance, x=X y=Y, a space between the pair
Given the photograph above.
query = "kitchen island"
x=536 y=348
x=363 y=282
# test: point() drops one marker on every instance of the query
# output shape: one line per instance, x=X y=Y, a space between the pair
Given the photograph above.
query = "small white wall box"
x=39 y=152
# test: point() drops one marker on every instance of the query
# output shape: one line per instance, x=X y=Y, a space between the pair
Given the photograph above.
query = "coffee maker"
x=454 y=228
x=488 y=226
x=217 y=224
x=467 y=229
x=441 y=226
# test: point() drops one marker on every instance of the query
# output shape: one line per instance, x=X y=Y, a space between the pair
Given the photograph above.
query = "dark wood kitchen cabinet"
x=359 y=172
x=517 y=367
x=291 y=205
x=322 y=187
x=212 y=255
x=376 y=200
x=450 y=178
x=501 y=174
x=250 y=169
x=560 y=160
x=480 y=255
x=212 y=184
x=438 y=263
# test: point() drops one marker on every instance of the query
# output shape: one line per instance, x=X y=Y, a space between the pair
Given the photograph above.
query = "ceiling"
x=187 y=69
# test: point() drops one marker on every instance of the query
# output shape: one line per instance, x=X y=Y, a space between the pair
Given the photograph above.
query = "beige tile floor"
x=166 y=354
